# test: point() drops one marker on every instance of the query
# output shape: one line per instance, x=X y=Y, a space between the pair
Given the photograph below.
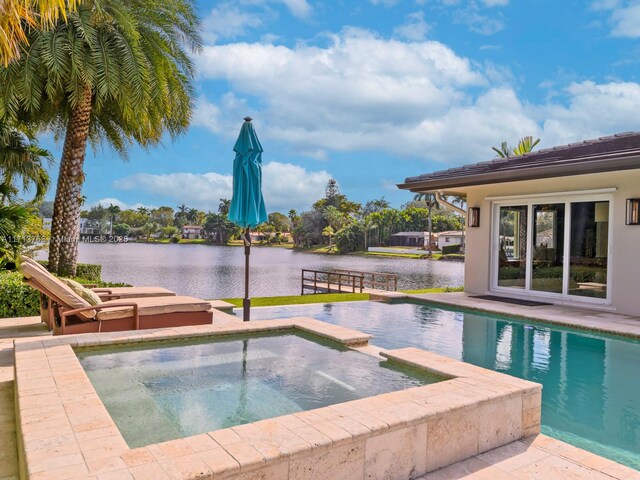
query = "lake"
x=209 y=272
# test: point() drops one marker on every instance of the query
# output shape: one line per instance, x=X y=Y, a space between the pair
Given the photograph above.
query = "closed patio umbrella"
x=247 y=205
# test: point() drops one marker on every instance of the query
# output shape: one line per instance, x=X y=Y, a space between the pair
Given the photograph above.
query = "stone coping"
x=66 y=432
x=577 y=317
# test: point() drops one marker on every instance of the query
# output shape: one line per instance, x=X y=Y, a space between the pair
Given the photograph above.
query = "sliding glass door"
x=558 y=247
x=512 y=262
x=588 y=261
x=547 y=264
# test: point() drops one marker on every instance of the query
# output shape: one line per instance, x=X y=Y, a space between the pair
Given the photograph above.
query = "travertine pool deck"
x=599 y=320
x=535 y=456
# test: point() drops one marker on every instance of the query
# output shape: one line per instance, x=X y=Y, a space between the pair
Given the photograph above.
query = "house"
x=192 y=231
x=87 y=227
x=560 y=225
x=412 y=239
x=450 y=237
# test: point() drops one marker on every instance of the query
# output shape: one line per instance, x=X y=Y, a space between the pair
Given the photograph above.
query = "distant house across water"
x=192 y=231
x=451 y=237
x=412 y=239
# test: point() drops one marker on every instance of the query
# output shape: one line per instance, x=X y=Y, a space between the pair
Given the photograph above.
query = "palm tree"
x=117 y=71
x=13 y=219
x=525 y=145
x=432 y=201
x=224 y=206
x=143 y=211
x=17 y=16
x=113 y=210
x=21 y=157
x=192 y=215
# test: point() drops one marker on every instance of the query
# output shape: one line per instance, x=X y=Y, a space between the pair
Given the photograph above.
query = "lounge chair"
x=111 y=293
x=71 y=313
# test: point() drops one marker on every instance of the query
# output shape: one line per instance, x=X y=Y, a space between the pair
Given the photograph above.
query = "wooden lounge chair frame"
x=135 y=322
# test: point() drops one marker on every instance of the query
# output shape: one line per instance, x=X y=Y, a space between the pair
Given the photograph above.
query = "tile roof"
x=616 y=152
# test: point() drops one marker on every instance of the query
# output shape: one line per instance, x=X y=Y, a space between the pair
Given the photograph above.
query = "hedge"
x=87 y=271
x=17 y=299
x=449 y=249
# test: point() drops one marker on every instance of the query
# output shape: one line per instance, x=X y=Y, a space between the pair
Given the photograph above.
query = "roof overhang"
x=458 y=180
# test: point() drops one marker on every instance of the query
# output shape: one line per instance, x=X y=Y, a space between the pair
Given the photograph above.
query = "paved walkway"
x=539 y=457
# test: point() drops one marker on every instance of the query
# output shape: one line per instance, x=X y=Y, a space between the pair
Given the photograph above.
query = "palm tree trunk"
x=430 y=230
x=63 y=248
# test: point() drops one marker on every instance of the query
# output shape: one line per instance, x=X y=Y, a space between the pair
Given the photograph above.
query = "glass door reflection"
x=548 y=247
x=589 y=252
x=512 y=257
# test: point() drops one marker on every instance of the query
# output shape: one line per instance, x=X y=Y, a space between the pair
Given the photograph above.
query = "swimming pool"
x=170 y=390
x=591 y=394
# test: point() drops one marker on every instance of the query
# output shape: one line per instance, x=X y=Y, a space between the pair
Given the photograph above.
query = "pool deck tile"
x=537 y=457
x=601 y=320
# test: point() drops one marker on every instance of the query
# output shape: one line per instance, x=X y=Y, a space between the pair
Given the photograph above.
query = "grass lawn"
x=435 y=290
x=300 y=299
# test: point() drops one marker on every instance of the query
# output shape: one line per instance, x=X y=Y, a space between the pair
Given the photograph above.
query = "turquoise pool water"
x=591 y=394
x=162 y=391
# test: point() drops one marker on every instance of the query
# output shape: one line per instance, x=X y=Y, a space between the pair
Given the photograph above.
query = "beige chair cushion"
x=62 y=293
x=139 y=292
x=89 y=295
x=154 y=306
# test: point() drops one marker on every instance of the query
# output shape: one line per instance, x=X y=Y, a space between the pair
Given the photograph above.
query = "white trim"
x=553 y=194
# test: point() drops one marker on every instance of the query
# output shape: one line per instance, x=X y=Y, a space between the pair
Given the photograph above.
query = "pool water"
x=591 y=392
x=172 y=390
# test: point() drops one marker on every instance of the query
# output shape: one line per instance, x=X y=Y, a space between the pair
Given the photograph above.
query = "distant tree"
x=168 y=231
x=162 y=216
x=376 y=205
x=99 y=216
x=328 y=232
x=122 y=230
x=280 y=222
x=224 y=206
x=144 y=211
x=149 y=229
x=46 y=209
x=113 y=210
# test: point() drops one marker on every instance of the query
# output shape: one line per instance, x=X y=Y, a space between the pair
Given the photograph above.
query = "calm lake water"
x=218 y=272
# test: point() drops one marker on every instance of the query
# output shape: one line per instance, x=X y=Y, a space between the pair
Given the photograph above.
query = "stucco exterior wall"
x=625 y=245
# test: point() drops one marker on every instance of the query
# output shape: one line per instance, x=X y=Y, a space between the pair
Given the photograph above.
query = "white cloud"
x=415 y=28
x=624 y=16
x=478 y=22
x=385 y=3
x=299 y=8
x=626 y=22
x=593 y=110
x=106 y=202
x=418 y=99
x=228 y=21
x=495 y=3
x=284 y=186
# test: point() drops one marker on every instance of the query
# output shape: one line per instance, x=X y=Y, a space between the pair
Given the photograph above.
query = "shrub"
x=175 y=239
x=350 y=238
x=449 y=249
x=87 y=271
x=17 y=299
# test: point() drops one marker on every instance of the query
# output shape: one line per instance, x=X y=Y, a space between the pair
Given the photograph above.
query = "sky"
x=372 y=91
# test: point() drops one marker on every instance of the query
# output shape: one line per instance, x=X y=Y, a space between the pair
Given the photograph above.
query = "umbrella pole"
x=246 y=302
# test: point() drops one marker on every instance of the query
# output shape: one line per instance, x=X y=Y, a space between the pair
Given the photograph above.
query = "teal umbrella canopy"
x=247 y=205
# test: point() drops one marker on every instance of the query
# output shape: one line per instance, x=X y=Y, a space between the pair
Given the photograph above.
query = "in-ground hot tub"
x=167 y=390
x=65 y=430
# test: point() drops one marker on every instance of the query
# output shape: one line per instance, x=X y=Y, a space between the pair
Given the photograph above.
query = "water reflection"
x=590 y=396
x=218 y=272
